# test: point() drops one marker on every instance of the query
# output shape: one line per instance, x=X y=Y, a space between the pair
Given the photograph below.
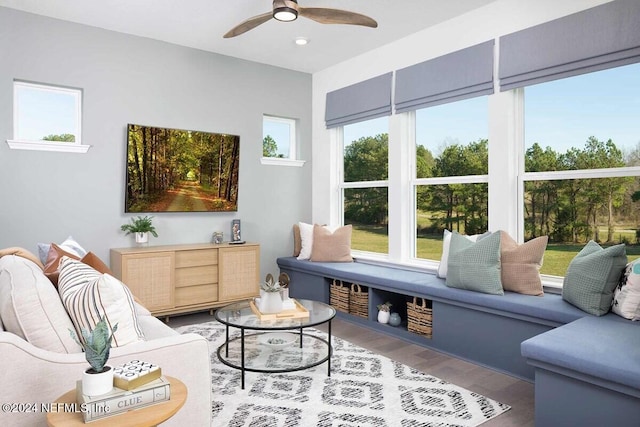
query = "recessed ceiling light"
x=301 y=41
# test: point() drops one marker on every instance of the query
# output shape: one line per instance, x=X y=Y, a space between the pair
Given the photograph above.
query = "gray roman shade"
x=361 y=101
x=602 y=37
x=466 y=73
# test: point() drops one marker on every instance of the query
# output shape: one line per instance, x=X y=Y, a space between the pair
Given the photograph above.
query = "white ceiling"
x=201 y=23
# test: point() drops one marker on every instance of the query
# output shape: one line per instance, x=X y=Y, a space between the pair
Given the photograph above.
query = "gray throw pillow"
x=592 y=277
x=475 y=266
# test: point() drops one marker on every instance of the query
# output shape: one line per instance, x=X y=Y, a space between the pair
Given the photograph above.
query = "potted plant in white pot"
x=384 y=312
x=98 y=379
x=270 y=297
x=141 y=226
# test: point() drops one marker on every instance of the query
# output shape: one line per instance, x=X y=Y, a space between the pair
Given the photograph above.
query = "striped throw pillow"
x=89 y=295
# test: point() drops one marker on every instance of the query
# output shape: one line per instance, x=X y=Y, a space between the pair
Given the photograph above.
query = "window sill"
x=550 y=284
x=48 y=146
x=281 y=162
x=383 y=260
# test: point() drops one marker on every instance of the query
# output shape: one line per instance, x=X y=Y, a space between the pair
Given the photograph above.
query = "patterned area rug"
x=364 y=389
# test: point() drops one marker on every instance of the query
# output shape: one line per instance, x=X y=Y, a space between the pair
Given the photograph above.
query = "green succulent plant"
x=96 y=344
x=140 y=224
x=385 y=307
x=270 y=286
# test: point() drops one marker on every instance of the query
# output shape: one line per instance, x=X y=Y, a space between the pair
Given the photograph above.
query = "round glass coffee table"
x=278 y=345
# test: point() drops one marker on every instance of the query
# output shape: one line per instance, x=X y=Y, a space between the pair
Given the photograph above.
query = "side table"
x=142 y=417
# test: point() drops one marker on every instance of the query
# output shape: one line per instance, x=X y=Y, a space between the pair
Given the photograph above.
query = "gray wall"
x=46 y=196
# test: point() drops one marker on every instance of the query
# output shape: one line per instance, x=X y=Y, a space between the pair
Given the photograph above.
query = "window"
x=451 y=169
x=364 y=186
x=47 y=118
x=279 y=141
x=581 y=163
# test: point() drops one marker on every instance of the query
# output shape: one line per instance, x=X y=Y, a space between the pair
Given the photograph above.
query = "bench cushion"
x=605 y=348
x=549 y=309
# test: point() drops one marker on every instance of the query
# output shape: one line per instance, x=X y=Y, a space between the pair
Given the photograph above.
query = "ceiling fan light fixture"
x=285 y=14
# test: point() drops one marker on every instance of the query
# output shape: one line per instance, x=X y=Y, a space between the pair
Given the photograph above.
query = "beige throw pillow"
x=521 y=264
x=331 y=247
x=21 y=252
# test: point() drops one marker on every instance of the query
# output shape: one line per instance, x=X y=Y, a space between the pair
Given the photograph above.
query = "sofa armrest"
x=33 y=375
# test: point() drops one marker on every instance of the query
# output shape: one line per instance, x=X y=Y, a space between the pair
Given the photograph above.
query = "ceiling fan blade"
x=249 y=24
x=336 y=16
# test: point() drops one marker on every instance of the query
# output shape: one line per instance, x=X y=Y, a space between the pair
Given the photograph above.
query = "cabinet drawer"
x=196 y=257
x=206 y=274
x=196 y=295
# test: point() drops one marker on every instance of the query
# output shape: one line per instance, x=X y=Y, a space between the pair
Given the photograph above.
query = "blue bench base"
x=484 y=329
x=587 y=373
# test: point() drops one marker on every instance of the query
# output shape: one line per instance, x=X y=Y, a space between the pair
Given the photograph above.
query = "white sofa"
x=32 y=323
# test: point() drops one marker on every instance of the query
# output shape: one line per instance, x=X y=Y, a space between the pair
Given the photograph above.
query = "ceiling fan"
x=288 y=10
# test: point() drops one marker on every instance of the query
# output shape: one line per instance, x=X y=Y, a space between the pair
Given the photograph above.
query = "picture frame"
x=236 y=233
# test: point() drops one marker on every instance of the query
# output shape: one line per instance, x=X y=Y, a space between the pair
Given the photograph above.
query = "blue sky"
x=561 y=114
x=280 y=133
x=44 y=113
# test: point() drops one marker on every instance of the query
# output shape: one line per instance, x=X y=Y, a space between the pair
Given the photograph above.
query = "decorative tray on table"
x=299 y=312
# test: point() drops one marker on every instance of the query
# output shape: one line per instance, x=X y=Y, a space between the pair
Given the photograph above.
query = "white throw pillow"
x=89 y=295
x=626 y=297
x=30 y=306
x=446 y=242
x=306 y=239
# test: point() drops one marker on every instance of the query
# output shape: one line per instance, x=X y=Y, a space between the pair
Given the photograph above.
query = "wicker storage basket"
x=420 y=316
x=339 y=296
x=359 y=300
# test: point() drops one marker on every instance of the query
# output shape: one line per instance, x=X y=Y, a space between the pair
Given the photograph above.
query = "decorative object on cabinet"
x=218 y=237
x=235 y=231
x=141 y=226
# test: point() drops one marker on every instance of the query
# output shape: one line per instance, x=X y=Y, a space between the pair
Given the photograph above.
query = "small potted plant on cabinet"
x=98 y=379
x=141 y=226
x=384 y=312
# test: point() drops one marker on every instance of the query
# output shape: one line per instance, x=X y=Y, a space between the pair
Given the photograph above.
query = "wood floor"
x=503 y=388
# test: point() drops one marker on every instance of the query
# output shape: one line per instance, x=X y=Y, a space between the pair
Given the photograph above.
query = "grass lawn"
x=556 y=258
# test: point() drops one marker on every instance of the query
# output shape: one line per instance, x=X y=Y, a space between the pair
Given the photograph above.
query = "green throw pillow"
x=592 y=277
x=475 y=266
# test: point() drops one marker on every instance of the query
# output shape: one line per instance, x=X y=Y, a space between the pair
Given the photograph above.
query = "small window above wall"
x=279 y=141
x=47 y=118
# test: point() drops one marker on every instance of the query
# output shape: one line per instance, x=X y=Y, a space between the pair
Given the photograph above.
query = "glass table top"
x=240 y=315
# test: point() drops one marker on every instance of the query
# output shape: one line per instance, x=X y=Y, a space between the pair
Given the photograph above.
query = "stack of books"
x=136 y=384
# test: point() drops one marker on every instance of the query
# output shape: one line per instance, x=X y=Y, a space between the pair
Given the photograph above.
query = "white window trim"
x=41 y=145
x=292 y=160
x=66 y=147
x=279 y=161
x=506 y=180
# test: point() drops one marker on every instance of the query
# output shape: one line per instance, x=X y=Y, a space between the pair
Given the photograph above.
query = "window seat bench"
x=482 y=328
x=571 y=355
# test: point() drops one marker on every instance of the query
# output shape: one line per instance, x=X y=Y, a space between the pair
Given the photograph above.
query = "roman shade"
x=361 y=101
x=602 y=37
x=463 y=74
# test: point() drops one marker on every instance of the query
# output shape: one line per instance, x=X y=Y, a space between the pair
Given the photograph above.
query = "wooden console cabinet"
x=177 y=279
